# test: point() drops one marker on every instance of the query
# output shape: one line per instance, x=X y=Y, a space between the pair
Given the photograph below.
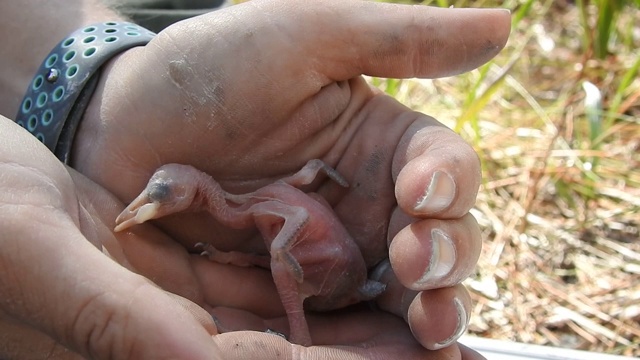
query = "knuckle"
x=99 y=329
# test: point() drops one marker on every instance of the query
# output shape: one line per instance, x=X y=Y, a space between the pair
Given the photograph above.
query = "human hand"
x=250 y=93
x=59 y=291
x=63 y=297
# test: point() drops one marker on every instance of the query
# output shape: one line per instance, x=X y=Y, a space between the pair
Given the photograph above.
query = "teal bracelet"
x=57 y=97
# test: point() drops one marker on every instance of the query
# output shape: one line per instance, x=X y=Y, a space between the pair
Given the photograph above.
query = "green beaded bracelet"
x=57 y=97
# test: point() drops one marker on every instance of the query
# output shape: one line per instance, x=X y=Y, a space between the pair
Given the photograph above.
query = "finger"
x=327 y=41
x=230 y=319
x=60 y=283
x=198 y=313
x=436 y=173
x=21 y=341
x=247 y=288
x=469 y=354
x=391 y=40
x=411 y=41
x=92 y=305
x=435 y=253
x=352 y=335
x=437 y=318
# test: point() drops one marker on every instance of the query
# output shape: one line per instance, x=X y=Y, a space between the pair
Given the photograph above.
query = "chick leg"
x=283 y=225
x=310 y=171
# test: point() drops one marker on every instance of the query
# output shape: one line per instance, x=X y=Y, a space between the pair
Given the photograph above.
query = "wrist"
x=55 y=20
x=58 y=95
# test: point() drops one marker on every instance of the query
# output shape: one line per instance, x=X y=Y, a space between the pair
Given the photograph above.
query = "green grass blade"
x=472 y=110
x=606 y=14
x=584 y=24
x=627 y=80
x=521 y=13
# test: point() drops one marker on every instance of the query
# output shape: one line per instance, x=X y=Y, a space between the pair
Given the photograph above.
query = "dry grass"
x=560 y=202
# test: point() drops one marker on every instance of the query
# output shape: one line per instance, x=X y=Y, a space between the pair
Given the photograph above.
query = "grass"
x=556 y=121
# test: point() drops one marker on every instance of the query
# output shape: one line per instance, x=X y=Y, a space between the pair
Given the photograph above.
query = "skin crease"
x=249 y=94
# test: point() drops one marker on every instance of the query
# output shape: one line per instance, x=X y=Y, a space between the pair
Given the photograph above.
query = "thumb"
x=63 y=286
x=401 y=41
x=344 y=39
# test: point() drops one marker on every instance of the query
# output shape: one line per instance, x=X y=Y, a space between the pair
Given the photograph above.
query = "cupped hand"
x=68 y=292
x=61 y=295
x=248 y=94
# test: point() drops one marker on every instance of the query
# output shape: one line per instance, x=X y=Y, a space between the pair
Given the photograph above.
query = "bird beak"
x=139 y=211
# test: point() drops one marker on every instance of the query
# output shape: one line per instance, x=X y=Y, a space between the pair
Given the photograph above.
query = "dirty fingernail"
x=439 y=194
x=463 y=320
x=443 y=258
x=273 y=332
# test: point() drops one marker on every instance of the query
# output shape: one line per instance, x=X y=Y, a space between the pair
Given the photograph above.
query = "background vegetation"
x=556 y=121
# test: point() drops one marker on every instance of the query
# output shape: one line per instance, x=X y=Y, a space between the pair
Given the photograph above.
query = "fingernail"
x=439 y=194
x=273 y=332
x=463 y=320
x=443 y=258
